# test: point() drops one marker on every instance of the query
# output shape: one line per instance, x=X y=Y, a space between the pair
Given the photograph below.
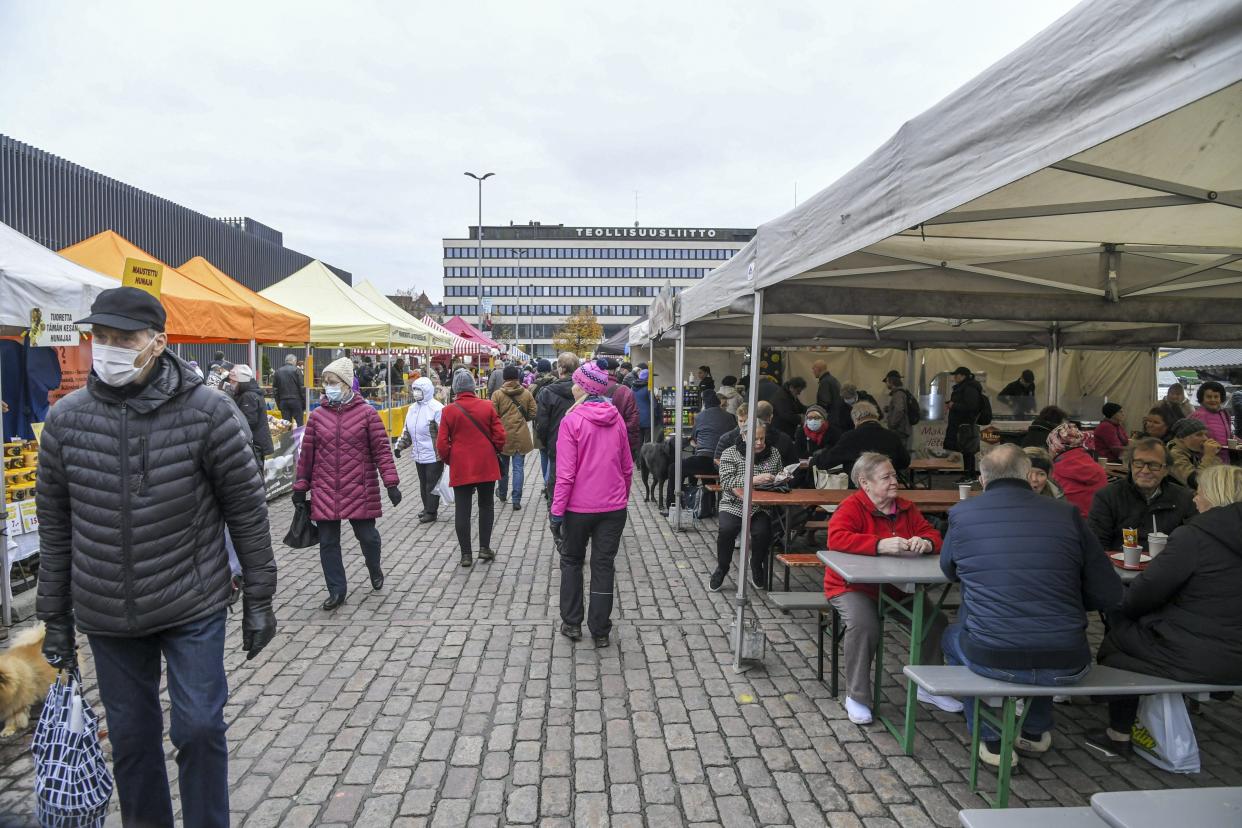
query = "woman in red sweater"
x=875 y=521
x=1073 y=469
x=1111 y=438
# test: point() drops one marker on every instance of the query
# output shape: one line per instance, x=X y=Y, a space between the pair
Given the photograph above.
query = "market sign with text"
x=53 y=327
x=148 y=276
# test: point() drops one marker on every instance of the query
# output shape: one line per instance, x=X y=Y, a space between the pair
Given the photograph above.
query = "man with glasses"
x=1147 y=493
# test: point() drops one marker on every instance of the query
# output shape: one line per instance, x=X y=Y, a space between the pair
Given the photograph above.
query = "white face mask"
x=417 y=395
x=815 y=425
x=117 y=366
x=334 y=392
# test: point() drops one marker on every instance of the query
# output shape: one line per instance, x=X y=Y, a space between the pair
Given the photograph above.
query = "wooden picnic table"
x=927 y=466
x=926 y=500
x=914 y=573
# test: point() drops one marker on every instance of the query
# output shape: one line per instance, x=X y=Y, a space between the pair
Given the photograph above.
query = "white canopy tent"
x=1084 y=192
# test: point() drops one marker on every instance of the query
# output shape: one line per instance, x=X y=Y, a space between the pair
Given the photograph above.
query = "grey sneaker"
x=716 y=583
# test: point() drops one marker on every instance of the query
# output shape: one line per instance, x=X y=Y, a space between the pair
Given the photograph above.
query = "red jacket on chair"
x=857 y=527
x=344 y=451
x=469 y=450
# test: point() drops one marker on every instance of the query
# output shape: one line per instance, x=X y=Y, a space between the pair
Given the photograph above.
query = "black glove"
x=298 y=497
x=258 y=625
x=556 y=528
x=58 y=643
x=396 y=452
x=394 y=495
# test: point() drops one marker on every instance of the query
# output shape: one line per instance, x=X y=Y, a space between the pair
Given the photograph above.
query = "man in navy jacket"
x=1030 y=570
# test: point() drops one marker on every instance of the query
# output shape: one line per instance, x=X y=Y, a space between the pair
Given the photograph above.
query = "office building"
x=535 y=275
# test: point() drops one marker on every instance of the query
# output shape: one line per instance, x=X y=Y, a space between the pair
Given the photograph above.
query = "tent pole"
x=1055 y=375
x=748 y=481
x=910 y=366
x=652 y=387
x=307 y=382
x=6 y=607
x=253 y=358
x=679 y=409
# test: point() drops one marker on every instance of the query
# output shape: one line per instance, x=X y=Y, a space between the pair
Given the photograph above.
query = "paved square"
x=449 y=699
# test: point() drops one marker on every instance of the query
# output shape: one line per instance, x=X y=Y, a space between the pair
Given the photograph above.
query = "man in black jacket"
x=1019 y=395
x=289 y=389
x=249 y=398
x=1030 y=569
x=551 y=406
x=867 y=435
x=785 y=417
x=139 y=473
x=1146 y=494
x=829 y=389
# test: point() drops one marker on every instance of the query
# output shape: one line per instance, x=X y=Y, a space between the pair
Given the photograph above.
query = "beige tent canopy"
x=370 y=291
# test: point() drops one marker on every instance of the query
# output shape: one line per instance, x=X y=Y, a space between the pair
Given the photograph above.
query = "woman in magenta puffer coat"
x=344 y=449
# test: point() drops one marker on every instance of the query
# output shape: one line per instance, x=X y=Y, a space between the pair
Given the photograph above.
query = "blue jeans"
x=543 y=464
x=1039 y=710
x=518 y=463
x=128 y=670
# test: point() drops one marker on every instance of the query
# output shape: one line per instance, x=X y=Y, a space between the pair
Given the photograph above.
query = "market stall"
x=43 y=357
x=1067 y=198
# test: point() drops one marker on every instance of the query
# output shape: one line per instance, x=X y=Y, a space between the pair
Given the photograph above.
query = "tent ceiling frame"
x=1229 y=198
x=997 y=274
x=1070 y=208
x=1165 y=284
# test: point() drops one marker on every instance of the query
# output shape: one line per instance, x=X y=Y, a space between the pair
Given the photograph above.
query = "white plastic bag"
x=443 y=489
x=1164 y=735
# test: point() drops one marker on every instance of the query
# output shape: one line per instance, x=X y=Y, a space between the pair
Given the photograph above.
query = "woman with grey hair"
x=469 y=438
x=875 y=521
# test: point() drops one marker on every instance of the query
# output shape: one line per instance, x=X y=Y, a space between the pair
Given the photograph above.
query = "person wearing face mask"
x=140 y=472
x=422 y=424
x=345 y=452
x=816 y=433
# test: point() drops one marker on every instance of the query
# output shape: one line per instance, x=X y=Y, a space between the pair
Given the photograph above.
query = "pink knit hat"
x=591 y=378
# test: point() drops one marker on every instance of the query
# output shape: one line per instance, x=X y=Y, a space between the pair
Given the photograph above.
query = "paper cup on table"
x=1131 y=556
x=963 y=491
x=1156 y=542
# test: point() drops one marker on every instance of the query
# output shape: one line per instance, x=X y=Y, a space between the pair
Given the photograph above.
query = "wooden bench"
x=827 y=617
x=798 y=560
x=960 y=681
x=712 y=487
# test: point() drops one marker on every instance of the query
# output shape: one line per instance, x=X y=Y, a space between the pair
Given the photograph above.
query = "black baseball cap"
x=126 y=309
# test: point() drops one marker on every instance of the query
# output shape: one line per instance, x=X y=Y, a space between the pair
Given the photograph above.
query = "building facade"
x=535 y=275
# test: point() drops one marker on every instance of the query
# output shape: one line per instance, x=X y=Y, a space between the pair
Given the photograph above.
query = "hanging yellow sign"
x=148 y=276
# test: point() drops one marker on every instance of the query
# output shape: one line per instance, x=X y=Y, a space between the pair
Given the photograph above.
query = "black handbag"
x=302 y=531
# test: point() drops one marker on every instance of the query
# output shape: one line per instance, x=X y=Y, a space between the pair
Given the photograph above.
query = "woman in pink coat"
x=1211 y=413
x=345 y=450
x=593 y=472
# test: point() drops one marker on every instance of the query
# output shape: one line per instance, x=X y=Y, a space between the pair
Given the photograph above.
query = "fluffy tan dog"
x=25 y=677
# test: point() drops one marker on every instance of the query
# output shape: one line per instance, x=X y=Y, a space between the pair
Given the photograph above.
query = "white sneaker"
x=946 y=703
x=858 y=712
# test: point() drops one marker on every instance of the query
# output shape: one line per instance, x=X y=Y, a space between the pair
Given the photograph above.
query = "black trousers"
x=462 y=501
x=690 y=466
x=428 y=477
x=330 y=551
x=292 y=409
x=760 y=542
x=603 y=531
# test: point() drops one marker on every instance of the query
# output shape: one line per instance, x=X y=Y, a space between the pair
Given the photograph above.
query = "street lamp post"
x=480 y=179
x=519 y=252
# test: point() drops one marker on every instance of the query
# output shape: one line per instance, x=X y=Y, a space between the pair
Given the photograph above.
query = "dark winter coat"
x=1120 y=505
x=551 y=405
x=1037 y=435
x=784 y=412
x=287 y=384
x=1030 y=569
x=249 y=399
x=869 y=436
x=1181 y=618
x=967 y=399
x=709 y=425
x=642 y=399
x=469 y=450
x=535 y=388
x=345 y=450
x=135 y=488
x=828 y=391
x=623 y=398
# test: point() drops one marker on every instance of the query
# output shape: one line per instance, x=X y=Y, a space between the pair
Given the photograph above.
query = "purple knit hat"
x=591 y=378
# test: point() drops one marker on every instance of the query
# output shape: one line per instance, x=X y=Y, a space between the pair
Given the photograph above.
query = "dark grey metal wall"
x=58 y=203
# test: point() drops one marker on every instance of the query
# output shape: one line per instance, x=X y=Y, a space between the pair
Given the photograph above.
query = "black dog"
x=655 y=460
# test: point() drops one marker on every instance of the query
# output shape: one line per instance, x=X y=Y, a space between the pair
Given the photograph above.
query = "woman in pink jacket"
x=344 y=451
x=1111 y=438
x=1211 y=413
x=593 y=471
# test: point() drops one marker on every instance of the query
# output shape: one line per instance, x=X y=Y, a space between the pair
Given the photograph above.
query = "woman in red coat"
x=344 y=449
x=1111 y=437
x=1073 y=469
x=875 y=521
x=470 y=435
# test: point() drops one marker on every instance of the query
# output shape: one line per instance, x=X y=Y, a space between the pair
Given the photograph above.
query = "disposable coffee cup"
x=1131 y=555
x=1234 y=442
x=963 y=491
x=1156 y=542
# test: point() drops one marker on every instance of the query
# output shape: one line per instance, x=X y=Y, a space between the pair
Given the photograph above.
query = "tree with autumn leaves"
x=580 y=334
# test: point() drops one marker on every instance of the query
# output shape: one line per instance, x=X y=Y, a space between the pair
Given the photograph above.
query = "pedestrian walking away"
x=422 y=424
x=470 y=437
x=345 y=451
x=289 y=389
x=593 y=473
x=139 y=473
x=516 y=408
x=552 y=403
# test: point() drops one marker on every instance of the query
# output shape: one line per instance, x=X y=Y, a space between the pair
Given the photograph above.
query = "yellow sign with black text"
x=148 y=276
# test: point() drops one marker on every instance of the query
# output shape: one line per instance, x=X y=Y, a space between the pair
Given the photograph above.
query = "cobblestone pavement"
x=449 y=699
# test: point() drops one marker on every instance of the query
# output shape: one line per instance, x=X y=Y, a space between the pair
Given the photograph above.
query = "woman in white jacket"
x=422 y=422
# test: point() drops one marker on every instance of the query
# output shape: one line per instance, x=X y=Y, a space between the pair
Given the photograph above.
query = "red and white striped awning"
x=461 y=345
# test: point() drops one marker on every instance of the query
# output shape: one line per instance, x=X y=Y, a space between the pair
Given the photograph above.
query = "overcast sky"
x=348 y=126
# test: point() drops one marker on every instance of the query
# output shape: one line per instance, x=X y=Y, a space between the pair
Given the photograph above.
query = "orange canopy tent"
x=272 y=322
x=195 y=313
